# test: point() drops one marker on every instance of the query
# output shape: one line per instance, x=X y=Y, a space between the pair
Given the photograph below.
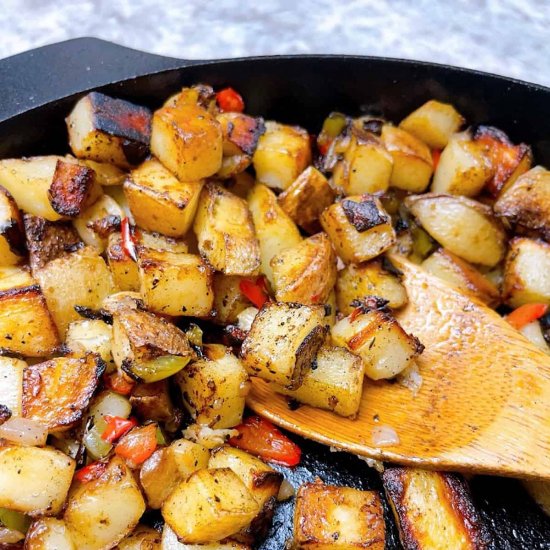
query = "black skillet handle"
x=36 y=77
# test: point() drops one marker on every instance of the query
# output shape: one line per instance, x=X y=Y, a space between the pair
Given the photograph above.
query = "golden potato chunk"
x=48 y=533
x=306 y=272
x=170 y=542
x=90 y=336
x=11 y=381
x=434 y=123
x=123 y=269
x=109 y=130
x=527 y=273
x=225 y=232
x=159 y=201
x=283 y=342
x=463 y=226
x=188 y=141
x=359 y=228
x=12 y=232
x=141 y=538
x=282 y=154
x=105 y=173
x=229 y=301
x=329 y=517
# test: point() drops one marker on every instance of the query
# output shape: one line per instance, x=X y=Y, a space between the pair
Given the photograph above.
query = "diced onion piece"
x=24 y=431
x=286 y=491
x=245 y=318
x=207 y=437
x=411 y=378
x=383 y=436
x=533 y=332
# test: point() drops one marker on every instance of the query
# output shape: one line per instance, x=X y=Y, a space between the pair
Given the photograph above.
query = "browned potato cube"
x=412 y=159
x=123 y=269
x=159 y=201
x=170 y=541
x=225 y=232
x=306 y=197
x=198 y=94
x=282 y=154
x=12 y=233
x=283 y=341
x=110 y=130
x=106 y=173
x=188 y=141
x=434 y=123
x=359 y=228
x=434 y=510
x=527 y=201
x=141 y=538
x=90 y=336
x=11 y=379
x=229 y=301
x=46 y=533
x=153 y=402
x=306 y=272
x=329 y=517
x=356 y=282
x=527 y=272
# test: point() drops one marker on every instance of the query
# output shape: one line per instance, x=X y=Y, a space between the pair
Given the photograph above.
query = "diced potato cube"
x=211 y=505
x=356 y=282
x=359 y=228
x=124 y=270
x=376 y=337
x=15 y=277
x=34 y=480
x=159 y=476
x=462 y=275
x=463 y=226
x=103 y=511
x=189 y=457
x=49 y=533
x=188 y=141
x=11 y=381
x=306 y=197
x=275 y=230
x=330 y=517
x=225 y=232
x=141 y=538
x=282 y=154
x=214 y=390
x=283 y=342
x=336 y=383
x=527 y=273
x=12 y=232
x=153 y=402
x=90 y=336
x=79 y=279
x=229 y=301
x=110 y=130
x=159 y=201
x=434 y=123
x=170 y=542
x=198 y=94
x=106 y=173
x=463 y=168
x=306 y=272
x=175 y=284
x=412 y=159
x=527 y=201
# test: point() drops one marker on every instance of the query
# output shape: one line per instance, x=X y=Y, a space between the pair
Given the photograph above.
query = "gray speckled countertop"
x=509 y=37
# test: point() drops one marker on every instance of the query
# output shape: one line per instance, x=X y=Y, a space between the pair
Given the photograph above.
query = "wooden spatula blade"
x=484 y=401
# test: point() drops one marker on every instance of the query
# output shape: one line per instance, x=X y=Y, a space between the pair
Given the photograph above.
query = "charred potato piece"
x=462 y=275
x=275 y=230
x=463 y=226
x=188 y=141
x=434 y=510
x=463 y=167
x=527 y=272
x=34 y=480
x=211 y=505
x=306 y=197
x=159 y=201
x=336 y=383
x=124 y=270
x=229 y=301
x=141 y=538
x=11 y=380
x=283 y=342
x=153 y=402
x=359 y=228
x=225 y=232
x=386 y=349
x=12 y=233
x=103 y=511
x=282 y=154
x=330 y=517
x=527 y=201
x=373 y=278
x=110 y=130
x=175 y=284
x=90 y=336
x=79 y=279
x=214 y=390
x=47 y=533
x=306 y=272
x=434 y=123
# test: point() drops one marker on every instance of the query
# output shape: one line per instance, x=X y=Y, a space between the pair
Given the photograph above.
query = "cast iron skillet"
x=38 y=88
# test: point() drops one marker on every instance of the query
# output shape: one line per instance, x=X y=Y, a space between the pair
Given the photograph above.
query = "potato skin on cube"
x=210 y=506
x=12 y=233
x=329 y=517
x=159 y=201
x=225 y=232
x=283 y=341
x=359 y=228
x=188 y=141
x=110 y=130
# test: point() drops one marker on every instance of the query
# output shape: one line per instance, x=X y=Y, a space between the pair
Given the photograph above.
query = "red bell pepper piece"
x=117 y=426
x=256 y=291
x=436 y=155
x=118 y=383
x=90 y=472
x=526 y=314
x=138 y=444
x=230 y=100
x=128 y=239
x=261 y=438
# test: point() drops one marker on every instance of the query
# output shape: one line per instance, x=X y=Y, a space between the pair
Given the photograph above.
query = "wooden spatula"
x=484 y=402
